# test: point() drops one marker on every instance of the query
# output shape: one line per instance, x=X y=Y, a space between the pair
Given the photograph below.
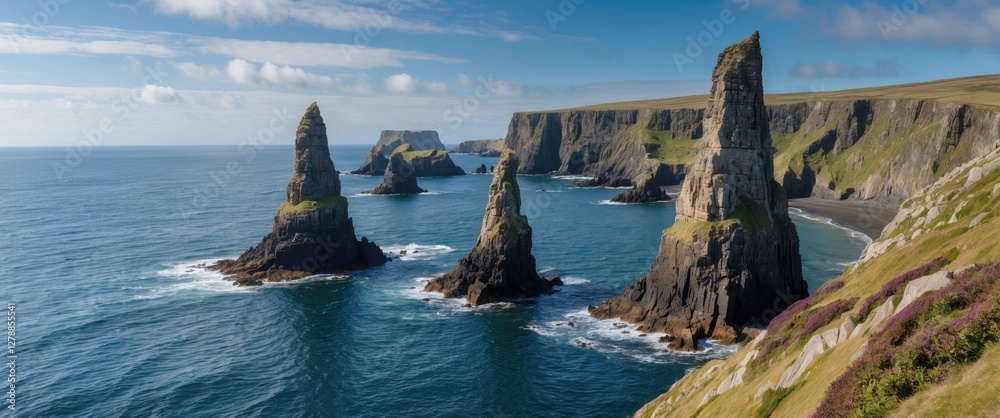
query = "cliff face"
x=484 y=147
x=500 y=266
x=876 y=150
x=312 y=231
x=419 y=140
x=880 y=339
x=614 y=143
x=733 y=250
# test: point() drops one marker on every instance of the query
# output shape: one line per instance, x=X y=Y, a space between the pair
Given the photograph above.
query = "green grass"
x=662 y=146
x=338 y=202
x=772 y=398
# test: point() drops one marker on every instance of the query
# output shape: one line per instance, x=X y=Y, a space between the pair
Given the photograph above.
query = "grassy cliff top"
x=979 y=90
x=339 y=202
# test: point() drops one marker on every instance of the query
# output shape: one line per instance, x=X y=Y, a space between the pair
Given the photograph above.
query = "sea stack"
x=732 y=256
x=645 y=191
x=400 y=177
x=500 y=266
x=312 y=231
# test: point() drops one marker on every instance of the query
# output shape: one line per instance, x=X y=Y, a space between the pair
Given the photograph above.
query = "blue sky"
x=153 y=72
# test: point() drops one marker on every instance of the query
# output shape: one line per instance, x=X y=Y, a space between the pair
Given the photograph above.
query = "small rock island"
x=732 y=251
x=427 y=154
x=312 y=232
x=500 y=266
x=645 y=191
x=400 y=177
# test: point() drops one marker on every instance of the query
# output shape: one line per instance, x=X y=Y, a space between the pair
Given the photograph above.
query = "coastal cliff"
x=732 y=250
x=483 y=147
x=874 y=145
x=312 y=231
x=426 y=154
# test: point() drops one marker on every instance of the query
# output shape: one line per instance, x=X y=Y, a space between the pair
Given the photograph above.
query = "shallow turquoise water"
x=114 y=320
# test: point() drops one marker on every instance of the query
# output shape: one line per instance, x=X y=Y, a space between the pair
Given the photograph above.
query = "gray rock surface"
x=375 y=164
x=389 y=140
x=312 y=232
x=921 y=286
x=400 y=177
x=483 y=147
x=501 y=265
x=733 y=251
x=645 y=191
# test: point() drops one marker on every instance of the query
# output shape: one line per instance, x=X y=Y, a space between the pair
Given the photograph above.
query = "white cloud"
x=344 y=15
x=153 y=94
x=309 y=54
x=24 y=39
x=198 y=72
x=271 y=75
x=463 y=80
x=507 y=88
x=406 y=84
x=834 y=69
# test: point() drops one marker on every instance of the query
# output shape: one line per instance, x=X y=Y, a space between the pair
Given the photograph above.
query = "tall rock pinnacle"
x=315 y=176
x=500 y=266
x=312 y=231
x=732 y=257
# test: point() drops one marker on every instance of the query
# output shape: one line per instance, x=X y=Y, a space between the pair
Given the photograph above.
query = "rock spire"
x=500 y=266
x=731 y=258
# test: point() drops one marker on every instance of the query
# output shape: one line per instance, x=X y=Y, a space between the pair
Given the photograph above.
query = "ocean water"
x=115 y=319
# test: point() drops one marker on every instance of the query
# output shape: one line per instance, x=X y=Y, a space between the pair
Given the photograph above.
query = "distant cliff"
x=419 y=140
x=828 y=145
x=484 y=147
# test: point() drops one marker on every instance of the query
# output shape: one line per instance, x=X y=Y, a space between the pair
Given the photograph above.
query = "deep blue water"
x=114 y=320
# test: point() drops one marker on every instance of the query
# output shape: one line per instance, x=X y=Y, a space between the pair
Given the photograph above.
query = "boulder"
x=732 y=251
x=500 y=266
x=847 y=329
x=645 y=191
x=399 y=175
x=919 y=287
x=374 y=165
x=604 y=181
x=312 y=232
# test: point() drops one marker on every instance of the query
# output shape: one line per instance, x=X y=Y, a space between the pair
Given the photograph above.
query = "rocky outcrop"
x=482 y=147
x=604 y=181
x=432 y=163
x=400 y=176
x=481 y=170
x=375 y=164
x=645 y=191
x=312 y=231
x=388 y=141
x=732 y=251
x=500 y=266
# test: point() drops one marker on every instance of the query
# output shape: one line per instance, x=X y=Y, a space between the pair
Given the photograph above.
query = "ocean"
x=114 y=319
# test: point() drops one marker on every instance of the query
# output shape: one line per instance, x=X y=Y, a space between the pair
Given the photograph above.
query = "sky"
x=224 y=72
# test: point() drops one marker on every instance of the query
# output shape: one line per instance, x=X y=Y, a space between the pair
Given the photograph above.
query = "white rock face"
x=922 y=286
x=978 y=220
x=813 y=349
x=996 y=191
x=875 y=319
x=846 y=329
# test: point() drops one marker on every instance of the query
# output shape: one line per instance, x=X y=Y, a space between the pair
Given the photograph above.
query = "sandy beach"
x=863 y=217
